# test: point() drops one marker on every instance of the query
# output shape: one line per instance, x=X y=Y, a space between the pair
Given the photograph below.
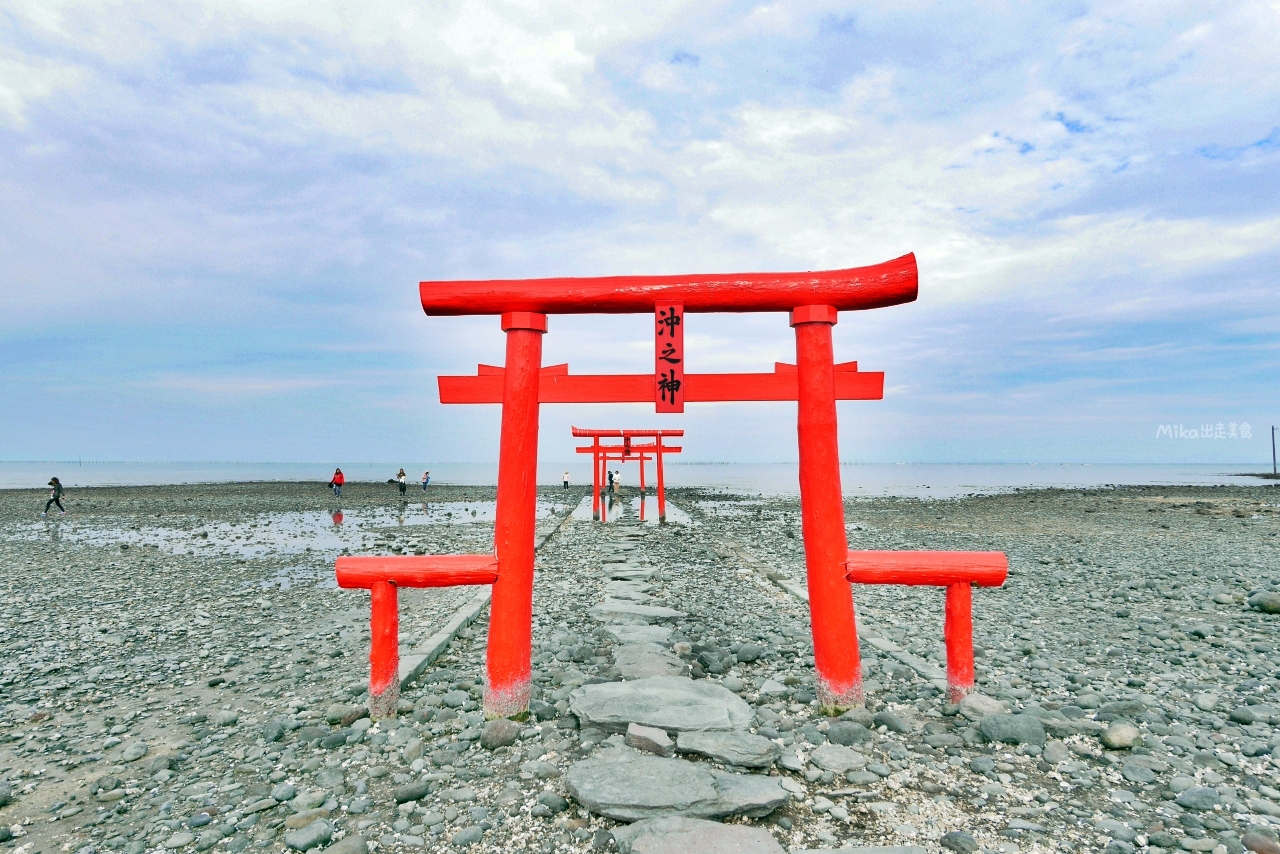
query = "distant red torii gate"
x=628 y=451
x=815 y=382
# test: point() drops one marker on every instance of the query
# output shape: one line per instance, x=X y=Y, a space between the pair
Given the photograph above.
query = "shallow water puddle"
x=728 y=508
x=300 y=576
x=324 y=533
x=616 y=510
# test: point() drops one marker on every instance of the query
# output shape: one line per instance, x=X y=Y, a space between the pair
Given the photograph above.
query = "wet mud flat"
x=178 y=673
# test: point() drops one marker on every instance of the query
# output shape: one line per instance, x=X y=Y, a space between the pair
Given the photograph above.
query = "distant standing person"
x=609 y=473
x=426 y=478
x=55 y=497
x=403 y=480
x=617 y=482
x=566 y=480
x=336 y=482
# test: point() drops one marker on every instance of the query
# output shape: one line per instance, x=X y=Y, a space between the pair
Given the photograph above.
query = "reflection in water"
x=319 y=534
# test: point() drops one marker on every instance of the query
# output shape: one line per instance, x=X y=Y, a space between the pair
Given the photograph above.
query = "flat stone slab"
x=673 y=703
x=677 y=835
x=622 y=611
x=731 y=748
x=639 y=634
x=865 y=849
x=624 y=785
x=837 y=759
x=630 y=572
x=632 y=591
x=642 y=660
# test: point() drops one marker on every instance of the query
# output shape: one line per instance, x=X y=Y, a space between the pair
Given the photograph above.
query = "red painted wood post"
x=835 y=637
x=511 y=609
x=595 y=478
x=384 y=650
x=662 y=494
x=958 y=632
x=602 y=465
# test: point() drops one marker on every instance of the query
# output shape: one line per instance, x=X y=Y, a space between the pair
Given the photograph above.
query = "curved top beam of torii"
x=890 y=283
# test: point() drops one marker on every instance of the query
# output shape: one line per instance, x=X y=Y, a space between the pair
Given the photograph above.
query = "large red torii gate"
x=815 y=382
x=628 y=451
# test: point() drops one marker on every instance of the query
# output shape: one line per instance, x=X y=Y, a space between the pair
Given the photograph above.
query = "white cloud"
x=27 y=80
x=258 y=163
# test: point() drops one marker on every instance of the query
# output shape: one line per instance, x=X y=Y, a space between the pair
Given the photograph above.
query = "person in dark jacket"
x=55 y=497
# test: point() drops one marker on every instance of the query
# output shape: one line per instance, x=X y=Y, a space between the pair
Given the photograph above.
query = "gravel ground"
x=178 y=672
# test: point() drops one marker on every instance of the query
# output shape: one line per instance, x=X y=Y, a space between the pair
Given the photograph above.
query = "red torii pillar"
x=511 y=609
x=595 y=478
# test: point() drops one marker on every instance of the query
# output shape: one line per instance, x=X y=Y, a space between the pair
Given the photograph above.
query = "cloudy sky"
x=216 y=214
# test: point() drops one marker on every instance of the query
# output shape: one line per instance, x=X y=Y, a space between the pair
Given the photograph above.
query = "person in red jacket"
x=336 y=483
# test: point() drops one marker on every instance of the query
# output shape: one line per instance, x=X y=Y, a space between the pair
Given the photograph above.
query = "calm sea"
x=937 y=481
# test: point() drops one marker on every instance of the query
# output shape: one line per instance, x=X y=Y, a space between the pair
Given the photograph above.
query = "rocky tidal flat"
x=179 y=673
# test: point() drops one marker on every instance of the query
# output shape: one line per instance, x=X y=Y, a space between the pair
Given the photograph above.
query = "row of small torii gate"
x=815 y=382
x=627 y=451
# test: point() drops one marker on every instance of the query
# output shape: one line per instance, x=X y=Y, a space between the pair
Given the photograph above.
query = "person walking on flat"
x=566 y=480
x=336 y=482
x=426 y=479
x=55 y=497
x=403 y=480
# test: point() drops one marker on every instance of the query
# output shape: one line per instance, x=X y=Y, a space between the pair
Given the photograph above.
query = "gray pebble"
x=959 y=841
x=553 y=801
x=318 y=833
x=891 y=722
x=467 y=836
x=352 y=843
x=848 y=733
x=499 y=733
x=1199 y=798
x=1012 y=729
x=1266 y=601
x=1121 y=735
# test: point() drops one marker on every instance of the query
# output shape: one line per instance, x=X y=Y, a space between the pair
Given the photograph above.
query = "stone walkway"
x=636 y=778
